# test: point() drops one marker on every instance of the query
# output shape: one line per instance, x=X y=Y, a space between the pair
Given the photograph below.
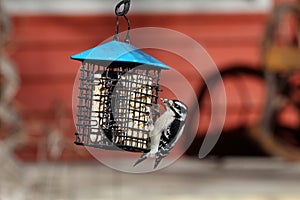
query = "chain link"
x=126 y=7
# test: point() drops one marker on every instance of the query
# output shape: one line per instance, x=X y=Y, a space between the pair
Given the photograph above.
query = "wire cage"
x=118 y=94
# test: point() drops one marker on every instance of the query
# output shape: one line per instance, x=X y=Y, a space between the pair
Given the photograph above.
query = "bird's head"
x=177 y=107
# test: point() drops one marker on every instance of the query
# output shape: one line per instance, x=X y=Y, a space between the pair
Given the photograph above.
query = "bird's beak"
x=164 y=100
x=167 y=102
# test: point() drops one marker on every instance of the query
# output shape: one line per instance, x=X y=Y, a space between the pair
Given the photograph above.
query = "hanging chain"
x=125 y=4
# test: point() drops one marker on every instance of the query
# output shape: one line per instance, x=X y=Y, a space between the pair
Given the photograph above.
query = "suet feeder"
x=118 y=88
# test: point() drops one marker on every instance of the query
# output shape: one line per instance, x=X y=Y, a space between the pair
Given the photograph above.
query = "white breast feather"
x=160 y=125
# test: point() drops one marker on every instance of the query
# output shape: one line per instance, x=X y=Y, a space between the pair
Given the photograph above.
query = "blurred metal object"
x=280 y=45
x=8 y=87
x=280 y=59
x=11 y=127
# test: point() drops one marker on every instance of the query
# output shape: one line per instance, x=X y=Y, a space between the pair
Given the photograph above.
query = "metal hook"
x=119 y=12
x=126 y=4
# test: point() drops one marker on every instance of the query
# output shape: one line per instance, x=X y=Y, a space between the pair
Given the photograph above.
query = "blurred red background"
x=41 y=46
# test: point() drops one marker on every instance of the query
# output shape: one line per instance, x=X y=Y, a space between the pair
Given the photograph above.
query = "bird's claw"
x=151 y=154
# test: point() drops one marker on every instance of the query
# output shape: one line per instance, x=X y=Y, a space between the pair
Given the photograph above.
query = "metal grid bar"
x=115 y=107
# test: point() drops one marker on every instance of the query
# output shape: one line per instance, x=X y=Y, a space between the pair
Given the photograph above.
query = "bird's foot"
x=151 y=154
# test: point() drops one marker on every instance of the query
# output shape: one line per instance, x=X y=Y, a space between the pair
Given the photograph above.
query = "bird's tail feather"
x=157 y=161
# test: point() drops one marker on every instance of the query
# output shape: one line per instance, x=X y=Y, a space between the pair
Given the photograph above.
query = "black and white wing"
x=168 y=140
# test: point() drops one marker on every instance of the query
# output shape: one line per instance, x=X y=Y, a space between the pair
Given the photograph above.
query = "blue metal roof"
x=116 y=51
